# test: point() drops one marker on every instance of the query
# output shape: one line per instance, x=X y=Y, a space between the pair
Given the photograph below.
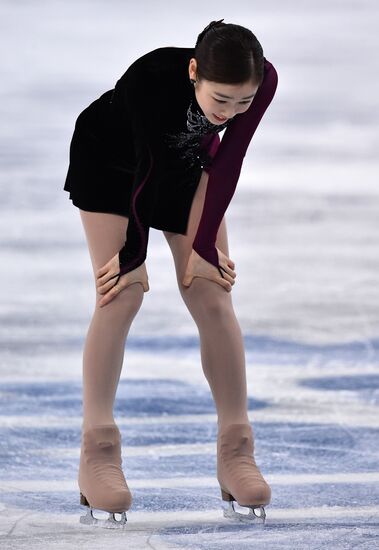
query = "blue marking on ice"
x=280 y=349
x=280 y=449
x=134 y=397
x=364 y=386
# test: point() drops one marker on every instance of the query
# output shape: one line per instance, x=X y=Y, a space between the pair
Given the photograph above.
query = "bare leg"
x=222 y=349
x=105 y=341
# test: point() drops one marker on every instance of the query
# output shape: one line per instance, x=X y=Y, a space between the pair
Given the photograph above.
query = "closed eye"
x=221 y=101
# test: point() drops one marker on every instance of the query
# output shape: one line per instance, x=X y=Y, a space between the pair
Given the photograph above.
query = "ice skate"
x=238 y=475
x=101 y=480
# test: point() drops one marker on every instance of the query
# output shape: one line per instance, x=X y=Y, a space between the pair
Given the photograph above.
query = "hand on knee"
x=198 y=267
x=106 y=285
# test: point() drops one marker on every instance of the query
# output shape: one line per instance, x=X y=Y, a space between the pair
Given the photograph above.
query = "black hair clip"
x=212 y=24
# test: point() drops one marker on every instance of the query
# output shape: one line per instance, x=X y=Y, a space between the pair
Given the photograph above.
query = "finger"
x=104 y=288
x=187 y=280
x=228 y=261
x=102 y=270
x=146 y=286
x=227 y=270
x=229 y=279
x=108 y=275
x=227 y=286
x=105 y=302
x=109 y=297
x=224 y=273
x=232 y=278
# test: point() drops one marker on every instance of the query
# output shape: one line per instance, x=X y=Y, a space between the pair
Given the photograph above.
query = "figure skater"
x=147 y=154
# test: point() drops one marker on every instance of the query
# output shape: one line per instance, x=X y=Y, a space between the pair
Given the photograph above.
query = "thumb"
x=187 y=280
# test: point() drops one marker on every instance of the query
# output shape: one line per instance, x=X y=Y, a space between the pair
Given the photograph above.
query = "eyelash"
x=221 y=101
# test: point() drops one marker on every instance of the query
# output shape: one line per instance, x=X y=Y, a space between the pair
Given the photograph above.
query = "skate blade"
x=110 y=523
x=231 y=513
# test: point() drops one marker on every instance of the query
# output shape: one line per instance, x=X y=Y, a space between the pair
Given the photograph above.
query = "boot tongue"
x=239 y=442
x=105 y=436
x=105 y=443
x=242 y=447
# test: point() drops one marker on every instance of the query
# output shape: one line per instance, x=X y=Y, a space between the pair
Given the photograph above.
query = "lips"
x=219 y=118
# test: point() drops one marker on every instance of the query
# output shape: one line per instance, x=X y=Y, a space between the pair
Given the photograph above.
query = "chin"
x=211 y=118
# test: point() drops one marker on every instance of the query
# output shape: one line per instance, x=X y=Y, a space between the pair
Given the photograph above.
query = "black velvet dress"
x=140 y=148
x=103 y=160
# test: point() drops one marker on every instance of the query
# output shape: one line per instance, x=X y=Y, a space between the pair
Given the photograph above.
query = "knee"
x=124 y=306
x=207 y=300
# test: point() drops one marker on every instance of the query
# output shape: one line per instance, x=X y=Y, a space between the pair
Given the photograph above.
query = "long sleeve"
x=226 y=166
x=130 y=96
x=134 y=251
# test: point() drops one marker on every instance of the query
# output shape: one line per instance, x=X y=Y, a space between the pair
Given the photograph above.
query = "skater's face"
x=220 y=102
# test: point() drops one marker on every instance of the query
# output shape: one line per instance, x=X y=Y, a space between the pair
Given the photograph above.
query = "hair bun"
x=207 y=28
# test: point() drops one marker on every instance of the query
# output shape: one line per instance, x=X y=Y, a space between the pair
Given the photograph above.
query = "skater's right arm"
x=140 y=110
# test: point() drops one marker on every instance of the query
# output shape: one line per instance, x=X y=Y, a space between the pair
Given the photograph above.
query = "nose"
x=228 y=113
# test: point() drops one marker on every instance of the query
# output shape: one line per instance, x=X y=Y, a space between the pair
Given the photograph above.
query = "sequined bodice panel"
x=187 y=143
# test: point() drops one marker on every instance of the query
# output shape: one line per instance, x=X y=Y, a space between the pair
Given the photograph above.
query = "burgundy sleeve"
x=226 y=166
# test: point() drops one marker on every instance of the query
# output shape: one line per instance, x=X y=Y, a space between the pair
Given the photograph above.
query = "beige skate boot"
x=238 y=475
x=101 y=480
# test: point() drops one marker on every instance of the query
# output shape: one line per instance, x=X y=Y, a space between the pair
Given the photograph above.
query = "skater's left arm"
x=226 y=166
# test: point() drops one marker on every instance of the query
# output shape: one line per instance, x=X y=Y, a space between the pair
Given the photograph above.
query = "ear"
x=192 y=68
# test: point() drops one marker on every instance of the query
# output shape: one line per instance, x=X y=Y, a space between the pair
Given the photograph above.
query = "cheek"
x=211 y=106
x=243 y=108
x=206 y=104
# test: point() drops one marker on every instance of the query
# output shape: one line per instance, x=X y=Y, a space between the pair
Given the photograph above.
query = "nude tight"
x=222 y=349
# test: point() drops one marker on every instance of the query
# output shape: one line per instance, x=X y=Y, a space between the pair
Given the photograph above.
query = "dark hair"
x=229 y=54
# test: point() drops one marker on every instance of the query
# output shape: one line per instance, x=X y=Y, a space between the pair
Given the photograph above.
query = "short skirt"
x=93 y=182
x=98 y=182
